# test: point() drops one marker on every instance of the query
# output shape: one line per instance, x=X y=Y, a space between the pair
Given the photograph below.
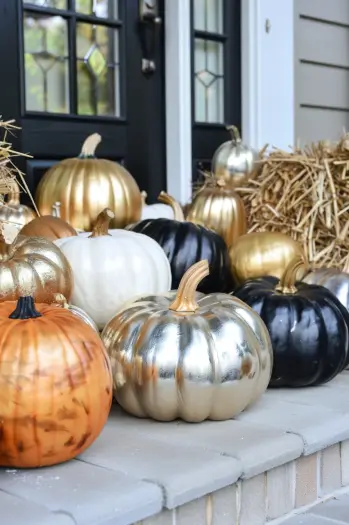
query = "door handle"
x=149 y=24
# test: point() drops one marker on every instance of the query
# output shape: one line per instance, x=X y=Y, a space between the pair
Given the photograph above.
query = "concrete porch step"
x=288 y=451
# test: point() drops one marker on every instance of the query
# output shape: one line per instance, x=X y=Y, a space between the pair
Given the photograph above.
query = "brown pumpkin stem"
x=165 y=198
x=60 y=300
x=102 y=223
x=185 y=299
x=144 y=196
x=25 y=309
x=13 y=195
x=56 y=210
x=89 y=147
x=235 y=133
x=287 y=282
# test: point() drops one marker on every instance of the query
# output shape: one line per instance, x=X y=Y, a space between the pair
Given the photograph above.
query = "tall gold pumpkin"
x=86 y=185
x=218 y=207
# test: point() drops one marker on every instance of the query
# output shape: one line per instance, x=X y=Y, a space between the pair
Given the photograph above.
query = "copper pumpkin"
x=55 y=384
x=50 y=227
x=86 y=185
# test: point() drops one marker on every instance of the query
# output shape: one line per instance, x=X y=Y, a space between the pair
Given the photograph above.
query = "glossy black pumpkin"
x=185 y=244
x=308 y=327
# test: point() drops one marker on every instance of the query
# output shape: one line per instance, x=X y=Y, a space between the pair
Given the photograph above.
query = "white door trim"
x=178 y=99
x=268 y=113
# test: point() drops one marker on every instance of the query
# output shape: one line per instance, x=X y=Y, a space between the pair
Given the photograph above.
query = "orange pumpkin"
x=55 y=384
x=51 y=227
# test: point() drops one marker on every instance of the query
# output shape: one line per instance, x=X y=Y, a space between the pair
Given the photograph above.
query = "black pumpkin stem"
x=25 y=309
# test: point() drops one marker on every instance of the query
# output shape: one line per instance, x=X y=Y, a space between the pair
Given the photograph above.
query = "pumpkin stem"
x=88 y=149
x=165 y=198
x=235 y=133
x=60 y=300
x=56 y=210
x=185 y=299
x=144 y=196
x=25 y=309
x=102 y=223
x=287 y=282
x=13 y=195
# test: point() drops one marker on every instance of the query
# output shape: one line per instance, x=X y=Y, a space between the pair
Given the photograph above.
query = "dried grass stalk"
x=8 y=170
x=305 y=194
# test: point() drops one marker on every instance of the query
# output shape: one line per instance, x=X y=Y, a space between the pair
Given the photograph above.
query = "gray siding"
x=321 y=69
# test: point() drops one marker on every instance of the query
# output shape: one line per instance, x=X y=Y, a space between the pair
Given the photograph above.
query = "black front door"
x=216 y=74
x=71 y=68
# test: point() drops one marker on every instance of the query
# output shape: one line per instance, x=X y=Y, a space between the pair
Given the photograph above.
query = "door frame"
x=268 y=108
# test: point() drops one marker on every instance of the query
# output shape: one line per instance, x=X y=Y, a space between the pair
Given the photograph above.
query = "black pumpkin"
x=185 y=244
x=308 y=327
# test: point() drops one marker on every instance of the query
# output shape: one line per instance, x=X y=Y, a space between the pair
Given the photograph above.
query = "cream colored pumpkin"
x=111 y=269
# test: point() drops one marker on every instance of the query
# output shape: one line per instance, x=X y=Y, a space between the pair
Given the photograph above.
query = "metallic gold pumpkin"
x=13 y=211
x=233 y=161
x=86 y=185
x=32 y=266
x=333 y=279
x=219 y=208
x=262 y=253
x=50 y=227
x=180 y=356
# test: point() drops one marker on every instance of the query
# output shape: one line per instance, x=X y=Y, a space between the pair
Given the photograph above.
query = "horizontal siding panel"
x=332 y=10
x=313 y=125
x=324 y=43
x=322 y=86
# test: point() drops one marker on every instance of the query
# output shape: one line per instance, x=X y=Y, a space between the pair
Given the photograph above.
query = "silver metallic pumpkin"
x=333 y=279
x=61 y=301
x=188 y=356
x=233 y=161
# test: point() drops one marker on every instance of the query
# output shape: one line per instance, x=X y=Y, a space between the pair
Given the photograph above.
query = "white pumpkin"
x=112 y=269
x=167 y=208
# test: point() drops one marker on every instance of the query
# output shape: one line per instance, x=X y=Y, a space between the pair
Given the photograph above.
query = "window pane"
x=209 y=81
x=58 y=4
x=46 y=63
x=208 y=15
x=98 y=70
x=101 y=8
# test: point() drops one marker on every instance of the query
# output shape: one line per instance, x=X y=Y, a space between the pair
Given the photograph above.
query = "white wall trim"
x=268 y=92
x=178 y=99
x=268 y=98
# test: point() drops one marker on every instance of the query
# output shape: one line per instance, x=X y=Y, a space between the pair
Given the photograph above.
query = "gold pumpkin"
x=189 y=356
x=86 y=185
x=50 y=227
x=32 y=266
x=13 y=211
x=262 y=253
x=219 y=208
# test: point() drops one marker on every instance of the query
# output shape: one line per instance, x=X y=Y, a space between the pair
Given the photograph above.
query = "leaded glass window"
x=209 y=42
x=71 y=57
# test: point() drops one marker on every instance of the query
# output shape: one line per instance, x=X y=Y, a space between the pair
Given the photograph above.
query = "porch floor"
x=288 y=451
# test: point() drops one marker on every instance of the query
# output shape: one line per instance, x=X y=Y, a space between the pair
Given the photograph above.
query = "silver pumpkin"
x=333 y=279
x=61 y=301
x=188 y=356
x=233 y=161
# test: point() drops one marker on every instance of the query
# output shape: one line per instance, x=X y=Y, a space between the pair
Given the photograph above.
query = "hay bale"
x=305 y=194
